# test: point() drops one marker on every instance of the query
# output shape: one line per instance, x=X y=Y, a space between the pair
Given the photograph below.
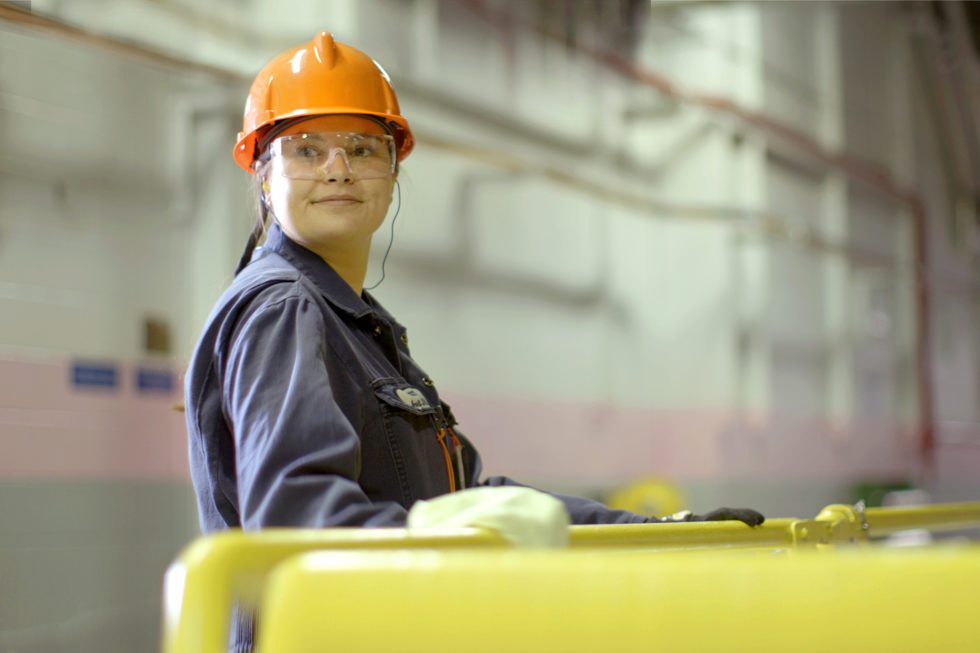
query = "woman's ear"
x=262 y=174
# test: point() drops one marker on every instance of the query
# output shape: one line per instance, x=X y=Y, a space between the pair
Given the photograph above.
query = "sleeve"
x=297 y=454
x=581 y=510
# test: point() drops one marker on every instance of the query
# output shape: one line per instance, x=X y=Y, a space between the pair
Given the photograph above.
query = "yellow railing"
x=774 y=534
x=216 y=572
x=941 y=517
x=836 y=524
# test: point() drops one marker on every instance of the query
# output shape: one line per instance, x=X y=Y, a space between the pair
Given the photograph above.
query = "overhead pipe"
x=13 y=14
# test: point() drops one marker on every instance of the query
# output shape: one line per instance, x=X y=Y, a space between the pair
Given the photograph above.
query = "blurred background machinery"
x=730 y=245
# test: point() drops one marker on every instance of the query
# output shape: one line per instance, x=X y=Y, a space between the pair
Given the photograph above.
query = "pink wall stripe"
x=50 y=429
x=587 y=443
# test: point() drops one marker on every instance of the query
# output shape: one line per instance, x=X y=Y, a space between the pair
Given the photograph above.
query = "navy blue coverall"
x=305 y=409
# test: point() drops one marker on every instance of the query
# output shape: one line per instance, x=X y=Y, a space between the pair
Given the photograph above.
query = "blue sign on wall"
x=94 y=375
x=154 y=380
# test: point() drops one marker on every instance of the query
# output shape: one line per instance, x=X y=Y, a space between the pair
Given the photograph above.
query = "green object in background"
x=873 y=492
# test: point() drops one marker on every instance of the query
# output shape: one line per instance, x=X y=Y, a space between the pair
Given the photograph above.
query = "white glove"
x=522 y=516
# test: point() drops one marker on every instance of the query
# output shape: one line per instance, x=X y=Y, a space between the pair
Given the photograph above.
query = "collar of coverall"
x=331 y=285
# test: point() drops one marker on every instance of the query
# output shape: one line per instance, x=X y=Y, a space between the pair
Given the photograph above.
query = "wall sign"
x=94 y=375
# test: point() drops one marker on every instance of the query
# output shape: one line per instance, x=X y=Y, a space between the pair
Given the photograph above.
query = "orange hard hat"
x=318 y=78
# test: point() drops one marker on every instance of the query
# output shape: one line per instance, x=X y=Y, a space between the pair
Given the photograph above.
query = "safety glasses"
x=312 y=155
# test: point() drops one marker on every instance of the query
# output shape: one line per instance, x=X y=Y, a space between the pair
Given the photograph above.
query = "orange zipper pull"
x=458 y=451
x=441 y=435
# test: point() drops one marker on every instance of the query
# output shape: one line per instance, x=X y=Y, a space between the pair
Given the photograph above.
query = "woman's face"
x=337 y=210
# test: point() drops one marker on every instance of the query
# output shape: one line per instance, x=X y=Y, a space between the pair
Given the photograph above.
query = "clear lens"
x=312 y=155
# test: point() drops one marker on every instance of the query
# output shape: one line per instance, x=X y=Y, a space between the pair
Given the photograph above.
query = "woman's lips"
x=338 y=200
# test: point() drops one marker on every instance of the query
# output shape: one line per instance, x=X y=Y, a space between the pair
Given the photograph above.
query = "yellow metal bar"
x=836 y=524
x=212 y=573
x=939 y=517
x=870 y=599
x=775 y=533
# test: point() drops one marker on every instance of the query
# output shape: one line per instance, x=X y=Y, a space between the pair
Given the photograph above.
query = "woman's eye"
x=307 y=152
x=362 y=150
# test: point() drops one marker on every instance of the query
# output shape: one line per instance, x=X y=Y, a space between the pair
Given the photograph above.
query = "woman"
x=304 y=406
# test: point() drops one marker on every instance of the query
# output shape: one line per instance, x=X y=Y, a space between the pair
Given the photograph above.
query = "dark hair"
x=262 y=213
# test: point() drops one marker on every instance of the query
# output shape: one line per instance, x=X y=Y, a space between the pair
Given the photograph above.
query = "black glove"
x=744 y=515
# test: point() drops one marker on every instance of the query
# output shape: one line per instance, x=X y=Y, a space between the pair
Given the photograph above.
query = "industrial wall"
x=726 y=244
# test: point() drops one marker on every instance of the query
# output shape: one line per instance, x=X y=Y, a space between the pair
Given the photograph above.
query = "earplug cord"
x=391 y=240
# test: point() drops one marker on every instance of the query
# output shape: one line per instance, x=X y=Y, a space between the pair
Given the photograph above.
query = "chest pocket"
x=414 y=444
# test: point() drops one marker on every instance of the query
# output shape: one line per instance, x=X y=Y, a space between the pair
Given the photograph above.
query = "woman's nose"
x=337 y=168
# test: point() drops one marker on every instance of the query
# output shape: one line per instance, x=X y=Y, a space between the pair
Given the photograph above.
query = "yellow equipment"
x=789 y=584
x=581 y=602
x=648 y=496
